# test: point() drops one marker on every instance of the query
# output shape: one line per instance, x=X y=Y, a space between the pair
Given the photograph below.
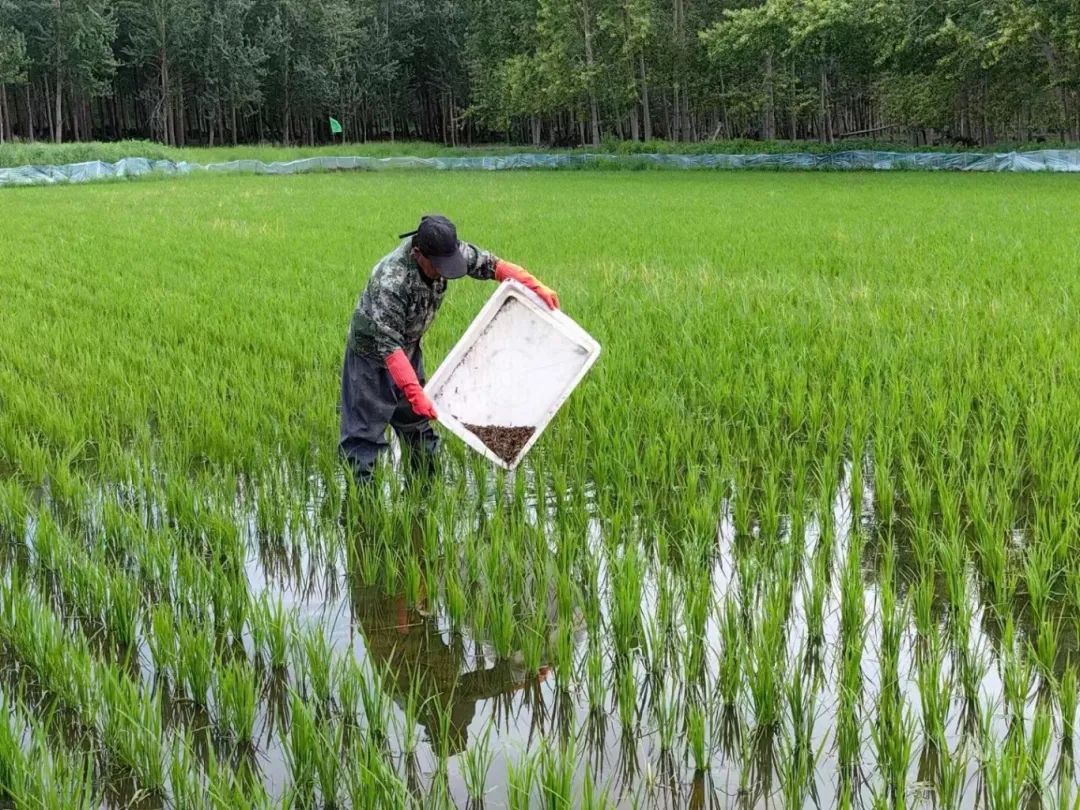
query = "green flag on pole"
x=335 y=126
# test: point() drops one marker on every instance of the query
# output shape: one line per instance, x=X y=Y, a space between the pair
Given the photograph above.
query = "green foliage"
x=808 y=525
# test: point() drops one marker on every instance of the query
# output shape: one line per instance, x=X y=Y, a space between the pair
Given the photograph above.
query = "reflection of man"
x=407 y=646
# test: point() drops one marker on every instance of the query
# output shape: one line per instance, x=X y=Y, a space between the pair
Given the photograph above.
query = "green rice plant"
x=521 y=778
x=847 y=736
x=596 y=681
x=972 y=667
x=1038 y=579
x=175 y=498
x=303 y=748
x=162 y=640
x=1068 y=694
x=272 y=628
x=1038 y=748
x=1004 y=769
x=132 y=730
x=730 y=666
x=698 y=740
x=1016 y=673
x=195 y=661
x=533 y=637
x=798 y=758
x=590 y=798
x=53 y=780
x=665 y=711
x=235 y=697
x=563 y=650
x=934 y=692
x=12 y=756
x=122 y=607
x=626 y=584
x=555 y=775
x=454 y=596
x=374 y=701
x=476 y=762
x=764 y=674
x=372 y=783
x=893 y=734
x=501 y=624
x=314 y=658
x=922 y=609
x=626 y=698
x=414 y=705
x=185 y=784
x=1043 y=653
x=348 y=680
x=329 y=769
x=951 y=775
x=226 y=788
x=814 y=594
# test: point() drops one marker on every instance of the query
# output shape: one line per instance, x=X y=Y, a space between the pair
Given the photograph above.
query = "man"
x=383 y=375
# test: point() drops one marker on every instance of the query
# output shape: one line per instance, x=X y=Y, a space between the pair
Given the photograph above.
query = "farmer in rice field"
x=383 y=374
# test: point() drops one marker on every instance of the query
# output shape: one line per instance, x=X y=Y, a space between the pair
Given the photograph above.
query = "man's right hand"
x=401 y=372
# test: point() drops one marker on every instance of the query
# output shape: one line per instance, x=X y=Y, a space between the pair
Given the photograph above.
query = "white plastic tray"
x=515 y=366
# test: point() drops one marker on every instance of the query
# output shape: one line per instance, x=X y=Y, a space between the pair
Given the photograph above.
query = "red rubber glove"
x=401 y=372
x=505 y=270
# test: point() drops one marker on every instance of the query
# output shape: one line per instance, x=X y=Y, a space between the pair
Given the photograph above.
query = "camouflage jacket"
x=399 y=303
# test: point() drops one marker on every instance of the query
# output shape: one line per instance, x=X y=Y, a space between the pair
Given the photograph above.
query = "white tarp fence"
x=1048 y=160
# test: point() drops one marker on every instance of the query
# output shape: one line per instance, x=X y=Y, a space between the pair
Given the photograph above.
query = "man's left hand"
x=505 y=270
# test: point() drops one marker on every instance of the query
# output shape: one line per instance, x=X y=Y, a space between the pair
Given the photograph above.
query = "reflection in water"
x=447 y=678
x=417 y=657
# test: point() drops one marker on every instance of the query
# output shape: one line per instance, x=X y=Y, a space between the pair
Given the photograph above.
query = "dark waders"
x=369 y=403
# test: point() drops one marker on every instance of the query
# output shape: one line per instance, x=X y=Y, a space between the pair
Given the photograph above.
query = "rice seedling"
x=934 y=693
x=798 y=758
x=1067 y=698
x=555 y=776
x=521 y=777
x=329 y=767
x=665 y=712
x=626 y=698
x=860 y=418
x=272 y=629
x=236 y=700
x=304 y=748
x=195 y=661
x=132 y=729
x=764 y=675
x=374 y=701
x=314 y=659
x=476 y=764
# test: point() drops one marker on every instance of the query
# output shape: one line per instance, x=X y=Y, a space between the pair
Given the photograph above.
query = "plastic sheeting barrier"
x=1048 y=160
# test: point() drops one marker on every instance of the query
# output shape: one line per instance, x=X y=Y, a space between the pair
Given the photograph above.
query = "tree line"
x=541 y=72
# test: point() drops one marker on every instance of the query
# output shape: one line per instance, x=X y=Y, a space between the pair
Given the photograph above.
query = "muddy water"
x=462 y=671
x=484 y=690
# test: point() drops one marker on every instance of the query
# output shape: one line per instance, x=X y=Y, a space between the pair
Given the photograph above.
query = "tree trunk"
x=594 y=107
x=768 y=124
x=29 y=115
x=181 y=118
x=826 y=116
x=678 y=91
x=58 y=122
x=646 y=112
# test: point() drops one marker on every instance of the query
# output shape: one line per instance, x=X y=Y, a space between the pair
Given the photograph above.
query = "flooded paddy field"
x=806 y=535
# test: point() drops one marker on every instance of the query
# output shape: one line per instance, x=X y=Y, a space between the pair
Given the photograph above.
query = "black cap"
x=436 y=238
